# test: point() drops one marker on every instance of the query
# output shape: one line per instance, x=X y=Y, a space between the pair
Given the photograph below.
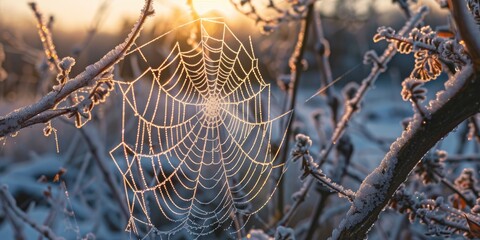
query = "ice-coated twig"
x=7 y=199
x=379 y=65
x=313 y=170
x=17 y=224
x=32 y=114
x=45 y=36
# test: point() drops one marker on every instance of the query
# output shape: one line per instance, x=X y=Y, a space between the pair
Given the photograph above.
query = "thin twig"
x=296 y=67
x=9 y=201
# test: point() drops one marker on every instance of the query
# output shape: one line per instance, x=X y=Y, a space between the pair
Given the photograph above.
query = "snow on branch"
x=451 y=107
x=46 y=108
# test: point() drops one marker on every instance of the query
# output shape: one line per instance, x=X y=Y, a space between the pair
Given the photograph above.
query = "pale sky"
x=80 y=13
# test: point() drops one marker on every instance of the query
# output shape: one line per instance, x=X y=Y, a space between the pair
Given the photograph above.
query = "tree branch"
x=15 y=120
x=447 y=111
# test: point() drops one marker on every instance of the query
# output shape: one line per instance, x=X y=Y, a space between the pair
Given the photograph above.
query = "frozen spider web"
x=196 y=153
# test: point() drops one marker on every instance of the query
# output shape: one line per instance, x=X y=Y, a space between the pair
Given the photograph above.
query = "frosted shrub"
x=203 y=149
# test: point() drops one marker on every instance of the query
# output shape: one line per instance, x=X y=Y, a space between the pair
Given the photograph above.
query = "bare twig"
x=296 y=67
x=9 y=201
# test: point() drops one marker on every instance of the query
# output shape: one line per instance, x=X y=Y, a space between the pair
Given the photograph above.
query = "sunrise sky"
x=77 y=14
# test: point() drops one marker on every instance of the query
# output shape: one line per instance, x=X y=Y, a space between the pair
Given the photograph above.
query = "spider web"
x=196 y=152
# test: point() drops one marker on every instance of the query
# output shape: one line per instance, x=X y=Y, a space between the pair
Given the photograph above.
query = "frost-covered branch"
x=7 y=199
x=16 y=120
x=353 y=104
x=309 y=167
x=451 y=107
x=379 y=66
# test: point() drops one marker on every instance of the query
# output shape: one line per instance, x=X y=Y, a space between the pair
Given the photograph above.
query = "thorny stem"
x=296 y=70
x=15 y=120
x=9 y=201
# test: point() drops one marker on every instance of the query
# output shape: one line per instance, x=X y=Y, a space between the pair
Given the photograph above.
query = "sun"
x=205 y=6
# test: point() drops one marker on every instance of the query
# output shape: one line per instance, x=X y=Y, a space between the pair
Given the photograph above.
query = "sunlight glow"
x=205 y=6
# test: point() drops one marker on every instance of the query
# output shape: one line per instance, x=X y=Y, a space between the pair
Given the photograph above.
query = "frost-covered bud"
x=66 y=64
x=453 y=51
x=303 y=143
x=442 y=155
x=382 y=33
